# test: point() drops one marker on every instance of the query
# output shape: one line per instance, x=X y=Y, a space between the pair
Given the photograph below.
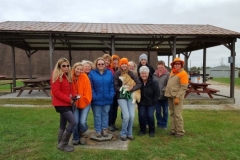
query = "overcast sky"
x=220 y=13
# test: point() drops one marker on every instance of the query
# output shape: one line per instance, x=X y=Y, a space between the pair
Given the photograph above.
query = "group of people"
x=98 y=86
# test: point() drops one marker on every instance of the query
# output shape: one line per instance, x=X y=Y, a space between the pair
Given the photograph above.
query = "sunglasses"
x=63 y=66
x=100 y=64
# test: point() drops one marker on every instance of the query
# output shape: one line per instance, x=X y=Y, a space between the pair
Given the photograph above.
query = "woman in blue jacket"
x=102 y=96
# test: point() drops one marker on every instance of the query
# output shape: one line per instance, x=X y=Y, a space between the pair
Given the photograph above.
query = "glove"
x=176 y=101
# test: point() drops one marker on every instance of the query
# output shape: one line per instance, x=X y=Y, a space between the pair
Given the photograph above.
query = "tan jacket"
x=177 y=84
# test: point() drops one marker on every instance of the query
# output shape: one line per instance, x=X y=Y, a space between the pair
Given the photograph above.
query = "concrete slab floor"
x=114 y=143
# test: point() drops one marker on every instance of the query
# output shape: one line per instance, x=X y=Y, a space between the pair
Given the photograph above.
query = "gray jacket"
x=162 y=82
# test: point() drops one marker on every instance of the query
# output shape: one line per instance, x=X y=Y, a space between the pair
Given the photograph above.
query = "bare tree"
x=222 y=62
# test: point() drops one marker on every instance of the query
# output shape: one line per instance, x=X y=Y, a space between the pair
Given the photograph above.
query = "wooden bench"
x=17 y=88
x=213 y=90
x=7 y=83
x=47 y=87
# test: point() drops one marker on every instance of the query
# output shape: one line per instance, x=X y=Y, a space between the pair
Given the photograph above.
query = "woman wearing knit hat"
x=127 y=107
x=143 y=61
x=175 y=91
x=115 y=62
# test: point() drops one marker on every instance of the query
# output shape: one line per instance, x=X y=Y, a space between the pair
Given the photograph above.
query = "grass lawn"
x=227 y=81
x=31 y=133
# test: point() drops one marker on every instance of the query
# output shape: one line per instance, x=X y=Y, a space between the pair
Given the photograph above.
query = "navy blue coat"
x=102 y=87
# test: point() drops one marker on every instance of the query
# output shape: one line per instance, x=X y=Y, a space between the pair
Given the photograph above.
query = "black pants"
x=143 y=112
x=112 y=114
x=67 y=117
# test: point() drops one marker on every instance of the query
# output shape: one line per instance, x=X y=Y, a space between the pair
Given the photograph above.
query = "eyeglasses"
x=101 y=64
x=177 y=63
x=63 y=66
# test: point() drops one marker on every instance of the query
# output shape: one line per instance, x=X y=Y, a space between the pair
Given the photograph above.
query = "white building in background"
x=221 y=72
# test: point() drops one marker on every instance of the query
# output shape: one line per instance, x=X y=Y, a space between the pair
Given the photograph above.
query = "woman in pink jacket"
x=62 y=92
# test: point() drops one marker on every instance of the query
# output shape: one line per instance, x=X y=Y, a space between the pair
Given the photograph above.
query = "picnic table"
x=40 y=84
x=6 y=82
x=200 y=88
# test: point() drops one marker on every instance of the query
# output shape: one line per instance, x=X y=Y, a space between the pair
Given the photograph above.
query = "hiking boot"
x=123 y=138
x=178 y=136
x=82 y=138
x=75 y=142
x=130 y=137
x=104 y=133
x=171 y=134
x=98 y=135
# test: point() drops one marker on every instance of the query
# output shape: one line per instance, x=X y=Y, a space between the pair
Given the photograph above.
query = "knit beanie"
x=143 y=56
x=123 y=61
x=115 y=57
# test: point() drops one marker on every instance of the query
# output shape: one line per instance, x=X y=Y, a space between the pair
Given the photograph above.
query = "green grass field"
x=227 y=81
x=31 y=133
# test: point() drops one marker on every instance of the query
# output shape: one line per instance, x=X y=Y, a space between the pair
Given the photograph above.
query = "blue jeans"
x=143 y=112
x=81 y=121
x=162 y=113
x=100 y=114
x=128 y=113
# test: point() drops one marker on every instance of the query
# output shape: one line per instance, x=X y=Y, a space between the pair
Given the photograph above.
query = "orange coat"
x=82 y=87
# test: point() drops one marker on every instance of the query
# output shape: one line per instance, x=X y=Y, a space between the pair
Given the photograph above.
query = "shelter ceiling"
x=127 y=37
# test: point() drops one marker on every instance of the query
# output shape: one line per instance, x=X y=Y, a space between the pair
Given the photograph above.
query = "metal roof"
x=126 y=37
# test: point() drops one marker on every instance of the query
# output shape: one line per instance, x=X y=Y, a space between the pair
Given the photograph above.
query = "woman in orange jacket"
x=82 y=87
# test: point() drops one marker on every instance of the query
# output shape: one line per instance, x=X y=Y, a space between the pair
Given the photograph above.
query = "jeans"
x=113 y=112
x=100 y=114
x=128 y=116
x=143 y=112
x=81 y=121
x=162 y=113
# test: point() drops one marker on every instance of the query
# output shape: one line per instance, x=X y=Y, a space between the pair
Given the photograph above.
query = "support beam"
x=14 y=65
x=204 y=63
x=112 y=46
x=174 y=48
x=29 y=63
x=232 y=65
x=51 y=53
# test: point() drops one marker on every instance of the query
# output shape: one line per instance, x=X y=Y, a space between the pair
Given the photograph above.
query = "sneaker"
x=178 y=136
x=115 y=127
x=141 y=133
x=171 y=134
x=130 y=137
x=98 y=135
x=75 y=142
x=123 y=138
x=111 y=128
x=151 y=134
x=164 y=128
